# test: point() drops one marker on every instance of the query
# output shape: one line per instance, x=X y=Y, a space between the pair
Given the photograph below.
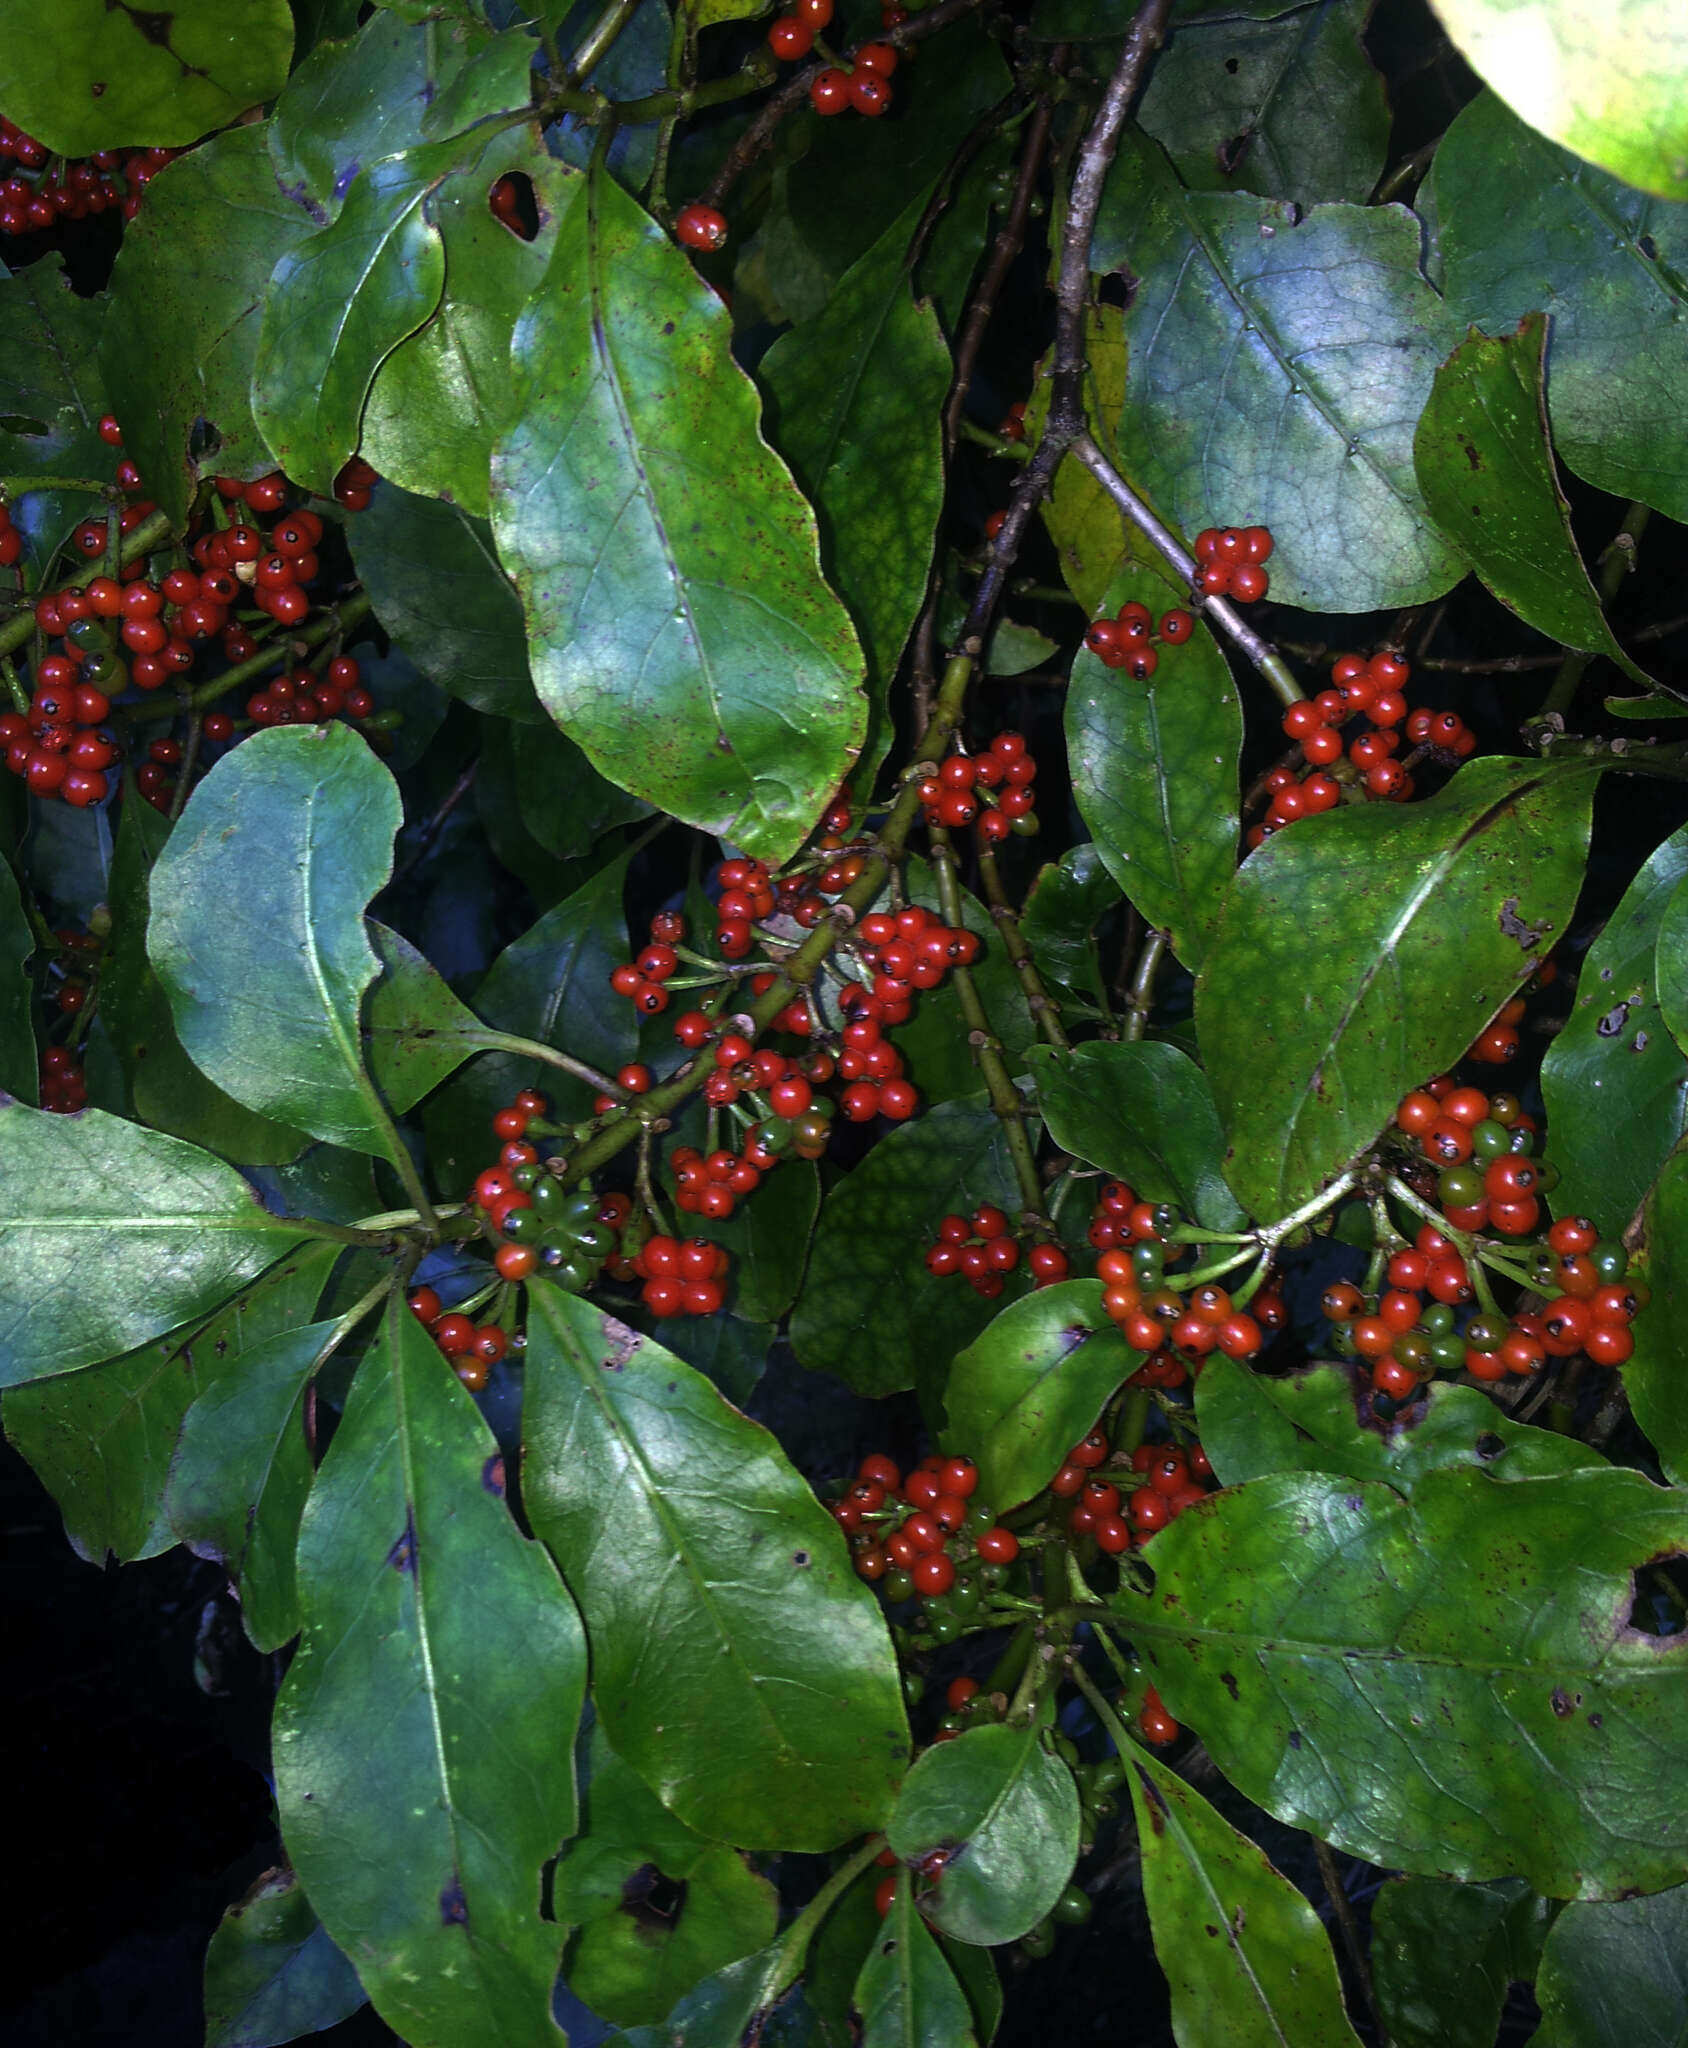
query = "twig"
x=1350 y=1933
x=1615 y=564
x=1046 y=1013
x=1140 y=998
x=428 y=831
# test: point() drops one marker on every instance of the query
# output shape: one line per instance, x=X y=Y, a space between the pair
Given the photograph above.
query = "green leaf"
x=18 y=1075
x=1243 y=1951
x=338 y=304
x=1007 y=1811
x=271 y=1973
x=1291 y=107
x=437 y=587
x=1670 y=959
x=1032 y=1386
x=975 y=1972
x=1365 y=950
x=860 y=391
x=423 y=1732
x=1154 y=768
x=1068 y=900
x=122 y=77
x=1433 y=1683
x=257 y=928
x=1321 y=1420
x=720 y=2009
x=1143 y=1111
x=906 y=1992
x=1443 y=1955
x=51 y=397
x=778 y=1721
x=1526 y=227
x=1279 y=363
x=443 y=398
x=552 y=985
x=1654 y=1375
x=730 y=1353
x=624 y=1826
x=415 y=1031
x=564 y=802
x=173 y=358
x=870 y=1313
x=678 y=626
x=1486 y=470
x=110 y=1235
x=1615 y=1081
x=1616 y=1976
x=101 y=1440
x=768 y=1235
x=241 y=1473
x=1612 y=88
x=165 y=1087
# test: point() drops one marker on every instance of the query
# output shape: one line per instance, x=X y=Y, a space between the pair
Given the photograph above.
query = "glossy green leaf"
x=768 y=1236
x=1525 y=227
x=565 y=803
x=778 y=1721
x=1486 y=470
x=723 y=2008
x=551 y=985
x=165 y=1088
x=907 y=1994
x=870 y=1313
x=678 y=626
x=101 y=1440
x=1657 y=1371
x=1443 y=1955
x=415 y=1031
x=341 y=302
x=1434 y=1683
x=1611 y=87
x=860 y=393
x=1279 y=363
x=1615 y=1081
x=1143 y=1111
x=17 y=1035
x=1243 y=1951
x=1289 y=107
x=1154 y=768
x=1032 y=1386
x=257 y=928
x=51 y=397
x=110 y=1235
x=1365 y=950
x=114 y=77
x=1007 y=1811
x=173 y=358
x=632 y=1963
x=1321 y=1420
x=271 y=1973
x=976 y=1973
x=443 y=398
x=242 y=1470
x=437 y=587
x=1670 y=959
x=1067 y=901
x=1616 y=1976
x=423 y=1733
x=624 y=1825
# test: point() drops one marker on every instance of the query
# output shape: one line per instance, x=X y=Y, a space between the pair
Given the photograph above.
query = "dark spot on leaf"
x=1294 y=1738
x=1512 y=926
x=492 y=1475
x=668 y=327
x=800 y=1557
x=402 y=1556
x=1230 y=153
x=342 y=183
x=1471 y=455
x=1648 y=247
x=154 y=25
x=1210 y=1930
x=1228 y=1681
x=1639 y=1042
x=1614 y=1020
x=1353 y=1502
x=1488 y=1445
x=653 y=1901
x=1231 y=65
x=1157 y=1805
x=1560 y=1701
x=97 y=89
x=454 y=1907
x=1596 y=1720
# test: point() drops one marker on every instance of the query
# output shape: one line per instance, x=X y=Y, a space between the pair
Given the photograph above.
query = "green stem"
x=345 y=1233
x=794 y=1943
x=998 y=444
x=347 y=613
x=1140 y=998
x=484 y=1039
x=1045 y=1013
x=21 y=486
x=595 y=45
x=1616 y=563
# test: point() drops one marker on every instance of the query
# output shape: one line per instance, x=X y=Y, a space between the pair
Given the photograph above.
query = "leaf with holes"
x=1279 y=363
x=1243 y=1951
x=111 y=77
x=1154 y=768
x=1434 y=1683
x=1365 y=950
x=906 y=1991
x=1006 y=1812
x=1032 y=1386
x=1524 y=226
x=1615 y=1081
x=1444 y=1955
x=429 y=1622
x=271 y=1973
x=257 y=927
x=778 y=1721
x=678 y=625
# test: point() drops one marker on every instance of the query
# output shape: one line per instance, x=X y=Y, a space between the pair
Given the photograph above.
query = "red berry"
x=829 y=90
x=700 y=227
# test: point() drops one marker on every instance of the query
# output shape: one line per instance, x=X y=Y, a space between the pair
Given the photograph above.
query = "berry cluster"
x=80 y=187
x=571 y=1231
x=64 y=1088
x=683 y=1276
x=474 y=1349
x=866 y=85
x=981 y=1247
x=61 y=746
x=1167 y=1479
x=1230 y=559
x=1153 y=1315
x=641 y=980
x=942 y=1540
x=1130 y=639
x=995 y=787
x=302 y=698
